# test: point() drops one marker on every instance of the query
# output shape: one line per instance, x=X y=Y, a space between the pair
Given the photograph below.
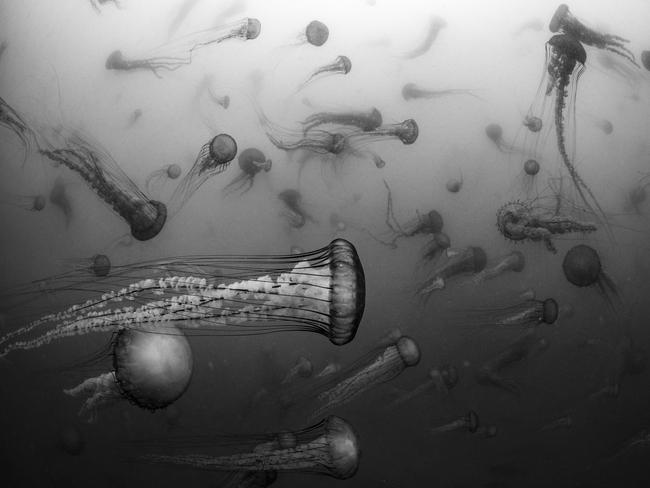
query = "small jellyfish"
x=97 y=167
x=454 y=185
x=251 y=162
x=469 y=422
x=179 y=52
x=522 y=314
x=531 y=167
x=32 y=203
x=645 y=59
x=565 y=22
x=528 y=177
x=468 y=260
x=436 y=24
x=12 y=120
x=436 y=247
x=604 y=125
x=223 y=101
x=406 y=131
x=582 y=267
x=368 y=120
x=213 y=159
x=59 y=198
x=134 y=117
x=564 y=422
x=316 y=33
x=330 y=447
x=533 y=123
x=303 y=368
x=98 y=265
x=514 y=261
x=161 y=176
x=518 y=221
x=490 y=372
x=293 y=211
x=411 y=91
x=622 y=70
x=495 y=134
x=340 y=66
x=441 y=380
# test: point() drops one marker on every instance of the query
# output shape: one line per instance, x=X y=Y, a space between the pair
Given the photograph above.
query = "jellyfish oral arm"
x=101 y=391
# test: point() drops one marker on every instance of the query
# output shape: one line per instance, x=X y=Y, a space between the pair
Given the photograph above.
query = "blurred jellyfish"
x=32 y=203
x=524 y=313
x=12 y=120
x=441 y=380
x=629 y=360
x=97 y=167
x=293 y=210
x=213 y=159
x=563 y=21
x=97 y=4
x=642 y=439
x=469 y=422
x=179 y=52
x=533 y=25
x=151 y=370
x=436 y=24
x=365 y=120
x=564 y=422
x=321 y=291
x=533 y=123
x=340 y=66
x=604 y=125
x=621 y=69
x=71 y=440
x=59 y=198
x=303 y=368
x=251 y=162
x=330 y=447
x=411 y=91
x=250 y=479
x=3 y=48
x=514 y=261
x=637 y=195
x=582 y=267
x=518 y=221
x=316 y=33
x=435 y=248
x=454 y=185
x=490 y=372
x=406 y=131
x=461 y=261
x=495 y=134
x=161 y=176
x=134 y=117
x=337 y=223
x=645 y=59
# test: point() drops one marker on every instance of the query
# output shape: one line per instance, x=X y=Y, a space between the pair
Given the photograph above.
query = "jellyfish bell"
x=101 y=265
x=453 y=185
x=582 y=265
x=494 y=132
x=533 y=123
x=223 y=149
x=531 y=167
x=317 y=33
x=39 y=203
x=605 y=125
x=253 y=28
x=173 y=171
x=115 y=60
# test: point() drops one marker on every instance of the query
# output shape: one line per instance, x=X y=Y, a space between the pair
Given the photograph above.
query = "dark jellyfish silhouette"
x=213 y=159
x=494 y=132
x=71 y=440
x=411 y=91
x=178 y=53
x=316 y=33
x=96 y=166
x=514 y=261
x=251 y=162
x=340 y=66
x=134 y=117
x=161 y=176
x=406 y=131
x=523 y=313
x=518 y=221
x=454 y=185
x=12 y=120
x=531 y=167
x=469 y=422
x=645 y=59
x=469 y=260
x=59 y=198
x=365 y=120
x=436 y=24
x=533 y=123
x=32 y=203
x=528 y=177
x=565 y=22
x=582 y=267
x=98 y=265
x=293 y=211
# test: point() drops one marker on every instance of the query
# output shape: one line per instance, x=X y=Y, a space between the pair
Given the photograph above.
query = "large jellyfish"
x=490 y=372
x=330 y=447
x=565 y=22
x=340 y=66
x=518 y=221
x=12 y=120
x=525 y=313
x=151 y=370
x=160 y=176
x=441 y=380
x=293 y=210
x=179 y=52
x=469 y=422
x=96 y=166
x=469 y=260
x=59 y=198
x=213 y=159
x=436 y=24
x=322 y=291
x=514 y=261
x=411 y=91
x=32 y=203
x=251 y=162
x=582 y=267
x=368 y=120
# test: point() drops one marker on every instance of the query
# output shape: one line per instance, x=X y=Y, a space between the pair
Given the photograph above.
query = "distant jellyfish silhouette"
x=469 y=422
x=565 y=22
x=337 y=223
x=637 y=196
x=622 y=69
x=340 y=66
x=32 y=203
x=440 y=379
x=293 y=211
x=161 y=176
x=604 y=125
x=316 y=33
x=368 y=120
x=251 y=162
x=411 y=91
x=514 y=261
x=179 y=52
x=494 y=132
x=629 y=360
x=303 y=368
x=59 y=198
x=645 y=59
x=582 y=267
x=98 y=265
x=454 y=185
x=533 y=123
x=528 y=177
x=134 y=117
x=436 y=24
x=213 y=159
x=518 y=314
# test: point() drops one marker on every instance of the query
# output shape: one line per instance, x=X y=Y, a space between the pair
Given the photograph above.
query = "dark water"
x=53 y=73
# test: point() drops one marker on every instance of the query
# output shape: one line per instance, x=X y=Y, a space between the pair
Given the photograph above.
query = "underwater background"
x=483 y=63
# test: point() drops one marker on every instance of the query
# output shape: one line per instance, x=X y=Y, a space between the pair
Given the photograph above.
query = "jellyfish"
x=134 y=117
x=621 y=69
x=303 y=368
x=440 y=379
x=645 y=59
x=151 y=371
x=12 y=120
x=519 y=221
x=251 y=162
x=59 y=198
x=406 y=131
x=316 y=33
x=604 y=125
x=213 y=159
x=98 y=265
x=490 y=372
x=160 y=176
x=495 y=134
x=379 y=365
x=454 y=185
x=469 y=260
x=250 y=479
x=469 y=422
x=436 y=24
x=32 y=203
x=330 y=447
x=514 y=261
x=179 y=52
x=564 y=21
x=582 y=267
x=522 y=314
x=3 y=48
x=435 y=247
x=532 y=123
x=97 y=4
x=629 y=360
x=411 y=91
x=340 y=66
x=328 y=369
x=637 y=195
x=365 y=120
x=564 y=422
x=321 y=291
x=293 y=210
